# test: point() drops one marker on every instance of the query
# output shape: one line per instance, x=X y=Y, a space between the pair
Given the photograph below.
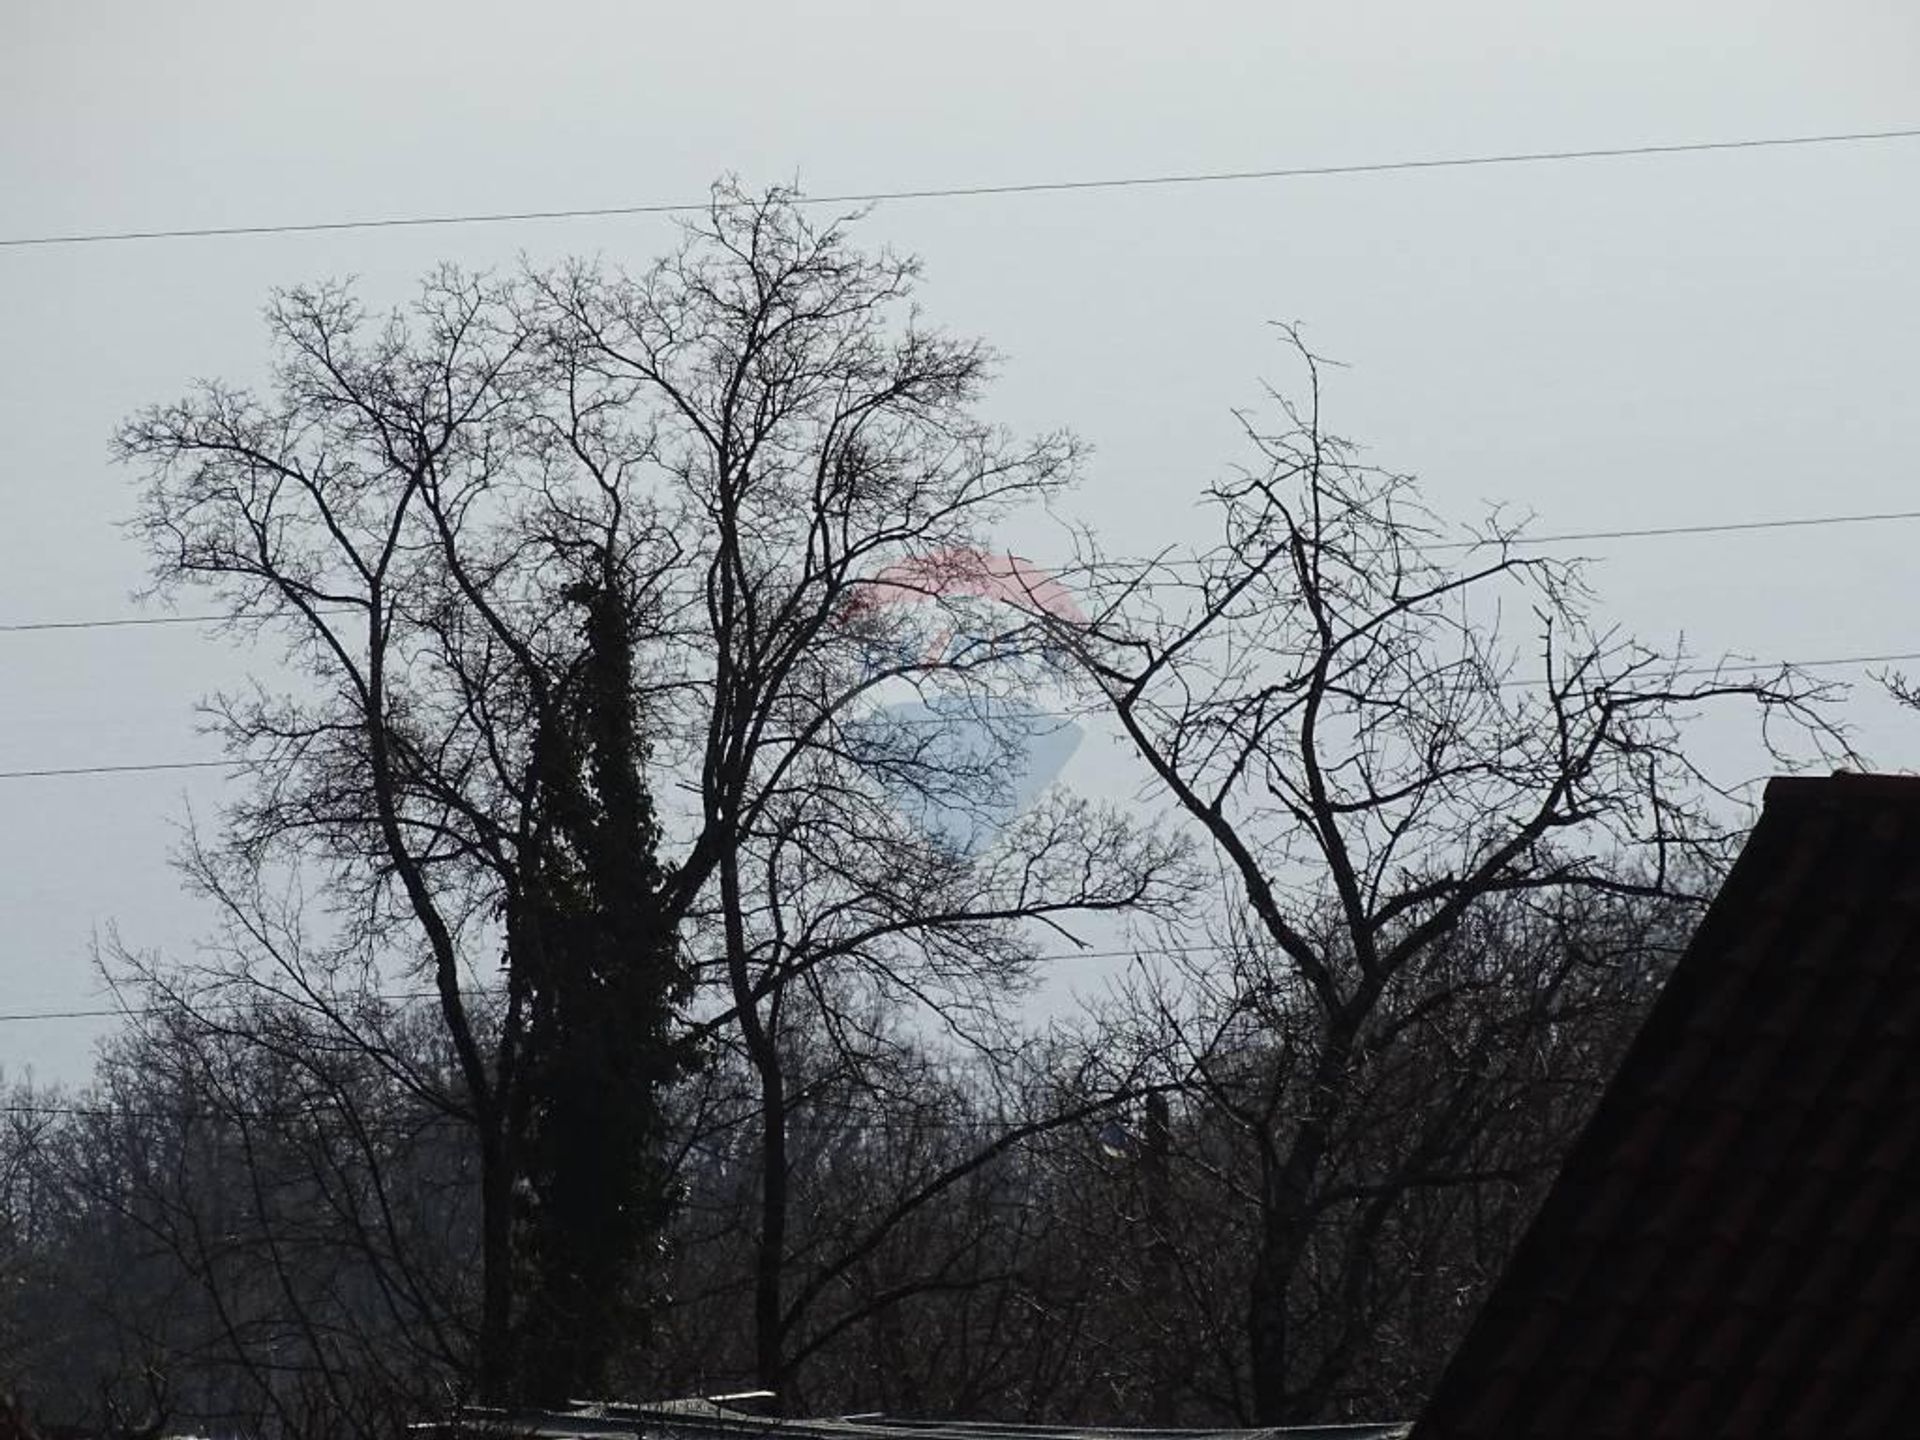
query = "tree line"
x=623 y=933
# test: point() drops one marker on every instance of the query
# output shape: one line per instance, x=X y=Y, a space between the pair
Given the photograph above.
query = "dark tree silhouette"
x=1334 y=696
x=549 y=548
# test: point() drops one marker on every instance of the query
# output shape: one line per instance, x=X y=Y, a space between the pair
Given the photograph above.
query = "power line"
x=1752 y=667
x=132 y=622
x=27 y=1016
x=1727 y=527
x=969 y=192
x=56 y=772
x=109 y=1012
x=1825 y=662
x=118 y=622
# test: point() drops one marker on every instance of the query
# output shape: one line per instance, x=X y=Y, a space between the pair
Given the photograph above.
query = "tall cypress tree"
x=592 y=946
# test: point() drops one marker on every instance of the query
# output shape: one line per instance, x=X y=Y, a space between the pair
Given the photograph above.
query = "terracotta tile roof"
x=1733 y=1246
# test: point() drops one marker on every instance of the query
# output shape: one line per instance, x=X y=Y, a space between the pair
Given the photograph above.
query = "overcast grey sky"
x=1666 y=340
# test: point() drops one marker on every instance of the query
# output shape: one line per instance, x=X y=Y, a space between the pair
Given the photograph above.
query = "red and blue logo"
x=972 y=728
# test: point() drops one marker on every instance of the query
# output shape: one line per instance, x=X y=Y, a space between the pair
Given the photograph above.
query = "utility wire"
x=1732 y=668
x=109 y=1012
x=54 y=772
x=1727 y=527
x=119 y=622
x=970 y=192
x=131 y=622
x=231 y=1007
x=1723 y=528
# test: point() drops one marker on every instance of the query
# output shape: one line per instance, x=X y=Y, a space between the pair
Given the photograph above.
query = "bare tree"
x=936 y=1262
x=1442 y=1139
x=462 y=761
x=243 y=1223
x=1335 y=696
x=554 y=551
x=825 y=458
x=656 y=703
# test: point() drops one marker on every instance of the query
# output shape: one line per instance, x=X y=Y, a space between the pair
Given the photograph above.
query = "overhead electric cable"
x=116 y=622
x=20 y=1017
x=132 y=622
x=54 y=772
x=968 y=192
x=1728 y=527
x=1719 y=528
x=1733 y=670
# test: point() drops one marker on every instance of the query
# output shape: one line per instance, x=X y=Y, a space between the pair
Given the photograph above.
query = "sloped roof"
x=1733 y=1246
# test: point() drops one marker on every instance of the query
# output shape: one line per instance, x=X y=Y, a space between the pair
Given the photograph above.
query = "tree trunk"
x=770 y=1259
x=1285 y=1219
x=496 y=1378
x=763 y=1050
x=1268 y=1331
x=1159 y=1266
